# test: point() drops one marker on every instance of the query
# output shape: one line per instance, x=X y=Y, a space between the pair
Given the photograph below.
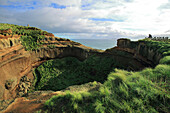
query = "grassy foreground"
x=146 y=92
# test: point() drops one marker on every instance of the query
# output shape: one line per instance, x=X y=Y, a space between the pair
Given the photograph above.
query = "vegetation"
x=165 y=60
x=32 y=42
x=122 y=92
x=60 y=73
x=146 y=91
x=31 y=36
x=22 y=30
x=51 y=46
x=160 y=46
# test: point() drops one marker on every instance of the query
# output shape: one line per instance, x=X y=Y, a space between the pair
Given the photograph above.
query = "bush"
x=165 y=60
x=32 y=42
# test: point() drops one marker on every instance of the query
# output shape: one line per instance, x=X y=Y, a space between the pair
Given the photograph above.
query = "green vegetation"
x=32 y=42
x=146 y=91
x=22 y=30
x=60 y=73
x=31 y=36
x=165 y=60
x=160 y=46
x=51 y=46
x=123 y=92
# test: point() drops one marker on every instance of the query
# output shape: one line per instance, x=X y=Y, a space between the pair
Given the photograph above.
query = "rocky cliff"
x=17 y=64
x=138 y=50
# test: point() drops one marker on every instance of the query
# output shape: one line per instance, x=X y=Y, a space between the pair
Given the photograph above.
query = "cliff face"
x=137 y=50
x=140 y=48
x=16 y=64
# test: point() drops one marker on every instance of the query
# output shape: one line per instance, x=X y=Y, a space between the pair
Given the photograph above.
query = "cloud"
x=90 y=18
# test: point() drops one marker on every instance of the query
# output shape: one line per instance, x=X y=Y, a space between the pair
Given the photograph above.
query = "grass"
x=165 y=60
x=22 y=30
x=122 y=92
x=160 y=46
x=146 y=91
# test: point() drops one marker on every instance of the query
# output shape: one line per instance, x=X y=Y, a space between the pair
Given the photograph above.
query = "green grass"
x=160 y=46
x=165 y=60
x=146 y=91
x=123 y=92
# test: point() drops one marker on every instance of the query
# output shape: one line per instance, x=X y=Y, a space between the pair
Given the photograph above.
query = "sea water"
x=97 y=43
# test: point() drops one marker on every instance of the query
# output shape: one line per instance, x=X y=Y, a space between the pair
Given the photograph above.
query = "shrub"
x=165 y=60
x=32 y=42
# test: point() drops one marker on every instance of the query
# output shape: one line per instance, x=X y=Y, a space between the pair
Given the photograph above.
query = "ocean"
x=97 y=43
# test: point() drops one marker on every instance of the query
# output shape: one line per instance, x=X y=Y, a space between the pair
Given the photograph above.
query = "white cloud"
x=136 y=17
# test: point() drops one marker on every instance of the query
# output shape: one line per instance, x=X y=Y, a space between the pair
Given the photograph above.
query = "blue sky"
x=91 y=18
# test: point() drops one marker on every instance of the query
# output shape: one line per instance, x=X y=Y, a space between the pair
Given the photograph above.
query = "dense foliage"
x=32 y=42
x=60 y=73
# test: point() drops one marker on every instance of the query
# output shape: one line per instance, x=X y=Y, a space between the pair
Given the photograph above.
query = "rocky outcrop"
x=139 y=50
x=16 y=63
x=10 y=42
x=9 y=31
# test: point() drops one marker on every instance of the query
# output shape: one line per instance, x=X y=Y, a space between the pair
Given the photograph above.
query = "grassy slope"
x=145 y=91
x=22 y=30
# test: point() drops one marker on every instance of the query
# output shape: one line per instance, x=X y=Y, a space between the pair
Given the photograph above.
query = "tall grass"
x=123 y=92
x=165 y=60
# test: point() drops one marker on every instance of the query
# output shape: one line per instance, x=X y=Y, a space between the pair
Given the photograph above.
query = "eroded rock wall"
x=15 y=62
x=140 y=48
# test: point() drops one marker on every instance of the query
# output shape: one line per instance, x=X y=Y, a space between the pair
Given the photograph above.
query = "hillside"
x=43 y=73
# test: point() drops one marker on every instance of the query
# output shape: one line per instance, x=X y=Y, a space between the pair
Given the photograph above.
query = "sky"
x=89 y=19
